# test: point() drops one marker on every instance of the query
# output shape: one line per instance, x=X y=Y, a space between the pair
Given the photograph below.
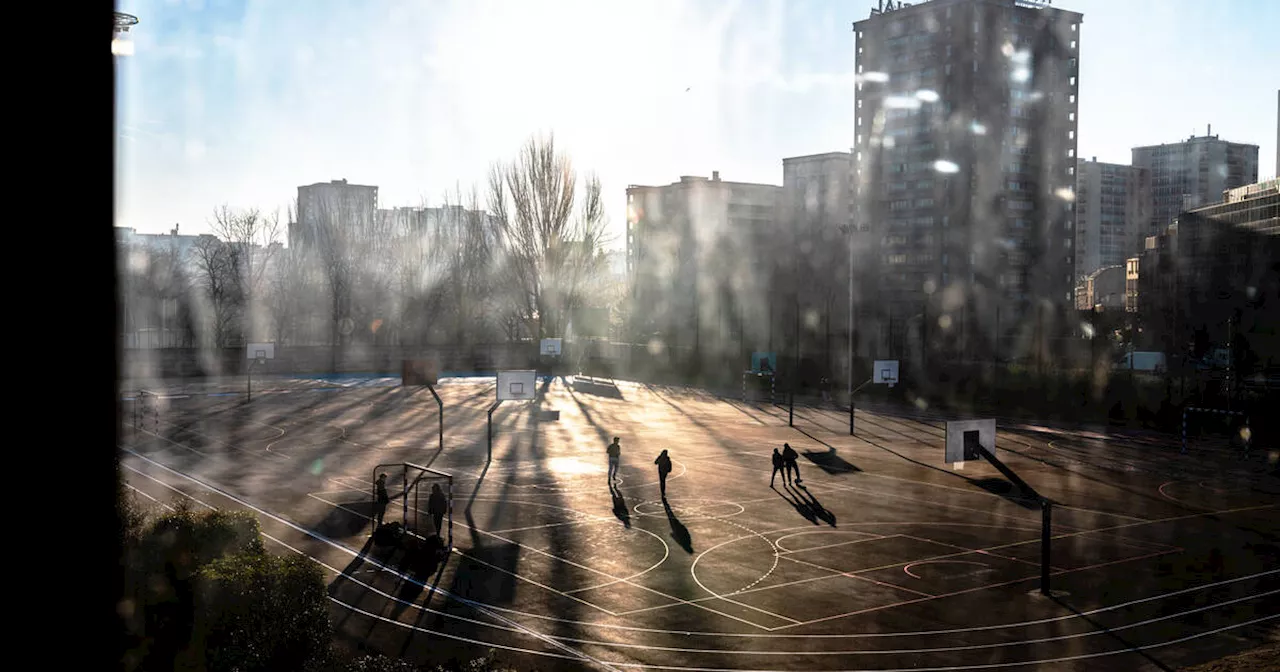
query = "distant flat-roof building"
x=965 y=159
x=1193 y=173
x=697 y=255
x=331 y=203
x=1214 y=272
x=1113 y=213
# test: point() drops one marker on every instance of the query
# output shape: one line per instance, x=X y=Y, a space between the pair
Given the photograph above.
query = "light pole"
x=848 y=230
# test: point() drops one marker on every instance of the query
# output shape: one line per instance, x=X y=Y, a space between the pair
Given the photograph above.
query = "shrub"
x=256 y=611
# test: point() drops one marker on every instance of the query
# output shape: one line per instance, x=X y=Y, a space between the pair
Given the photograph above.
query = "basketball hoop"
x=124 y=22
x=120 y=43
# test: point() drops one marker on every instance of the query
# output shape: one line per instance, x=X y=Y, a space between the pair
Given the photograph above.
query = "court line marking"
x=966 y=590
x=187 y=428
x=751 y=533
x=836 y=572
x=907 y=569
x=612 y=579
x=787 y=551
x=975 y=550
x=854 y=635
x=593 y=519
x=577 y=655
x=879 y=493
x=980 y=551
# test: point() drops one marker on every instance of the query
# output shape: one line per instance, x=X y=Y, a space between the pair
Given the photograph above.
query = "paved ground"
x=886 y=558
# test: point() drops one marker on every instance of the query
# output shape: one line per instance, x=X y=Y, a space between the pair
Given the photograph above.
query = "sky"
x=238 y=103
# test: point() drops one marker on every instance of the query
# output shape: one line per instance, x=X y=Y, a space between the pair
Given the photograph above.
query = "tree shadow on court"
x=1111 y=633
x=382 y=555
x=620 y=509
x=802 y=507
x=678 y=531
x=422 y=560
x=830 y=461
x=347 y=520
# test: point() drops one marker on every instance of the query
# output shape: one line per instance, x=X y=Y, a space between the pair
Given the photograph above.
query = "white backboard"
x=956 y=430
x=885 y=371
x=517 y=385
x=550 y=346
x=263 y=350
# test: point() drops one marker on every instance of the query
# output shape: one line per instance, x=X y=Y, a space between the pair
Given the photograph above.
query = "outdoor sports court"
x=887 y=558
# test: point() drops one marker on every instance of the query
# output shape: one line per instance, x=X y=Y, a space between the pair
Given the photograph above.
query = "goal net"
x=421 y=499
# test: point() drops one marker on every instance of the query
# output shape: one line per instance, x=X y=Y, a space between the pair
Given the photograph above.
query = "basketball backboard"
x=551 y=346
x=963 y=437
x=517 y=385
x=256 y=351
x=885 y=372
x=764 y=362
x=419 y=372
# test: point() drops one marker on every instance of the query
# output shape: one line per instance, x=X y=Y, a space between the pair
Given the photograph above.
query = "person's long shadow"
x=620 y=506
x=678 y=531
x=814 y=505
x=802 y=507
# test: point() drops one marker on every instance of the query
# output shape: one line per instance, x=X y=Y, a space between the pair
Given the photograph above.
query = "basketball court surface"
x=884 y=557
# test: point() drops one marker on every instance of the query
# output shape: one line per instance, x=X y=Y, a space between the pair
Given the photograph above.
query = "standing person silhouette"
x=437 y=506
x=380 y=500
x=664 y=468
x=789 y=459
x=615 y=454
x=777 y=466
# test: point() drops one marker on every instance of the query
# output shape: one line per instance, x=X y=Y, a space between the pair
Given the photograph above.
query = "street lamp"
x=848 y=231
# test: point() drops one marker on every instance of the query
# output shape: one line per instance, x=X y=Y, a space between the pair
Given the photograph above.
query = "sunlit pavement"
x=887 y=558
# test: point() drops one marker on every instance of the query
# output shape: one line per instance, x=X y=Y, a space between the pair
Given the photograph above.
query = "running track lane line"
x=353 y=579
x=714 y=651
x=325 y=540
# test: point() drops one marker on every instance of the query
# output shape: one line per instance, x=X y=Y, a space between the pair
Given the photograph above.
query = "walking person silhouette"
x=777 y=466
x=615 y=454
x=789 y=459
x=664 y=468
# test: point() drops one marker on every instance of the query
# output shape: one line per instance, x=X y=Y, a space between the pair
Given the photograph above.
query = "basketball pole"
x=492 y=408
x=1046 y=510
x=440 y=404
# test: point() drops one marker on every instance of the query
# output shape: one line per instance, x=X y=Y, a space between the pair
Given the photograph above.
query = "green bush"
x=256 y=611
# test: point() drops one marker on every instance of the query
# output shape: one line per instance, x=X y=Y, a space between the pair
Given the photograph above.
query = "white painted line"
x=891 y=634
x=767 y=652
x=788 y=551
x=326 y=540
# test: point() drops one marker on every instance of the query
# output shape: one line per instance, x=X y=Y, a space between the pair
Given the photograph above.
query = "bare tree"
x=285 y=294
x=547 y=248
x=218 y=299
x=255 y=240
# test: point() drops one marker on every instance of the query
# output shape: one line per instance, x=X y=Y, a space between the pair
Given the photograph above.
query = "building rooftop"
x=818 y=157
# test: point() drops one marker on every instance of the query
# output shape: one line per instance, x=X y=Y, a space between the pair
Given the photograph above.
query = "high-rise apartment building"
x=335 y=203
x=1113 y=213
x=1193 y=173
x=698 y=259
x=965 y=160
